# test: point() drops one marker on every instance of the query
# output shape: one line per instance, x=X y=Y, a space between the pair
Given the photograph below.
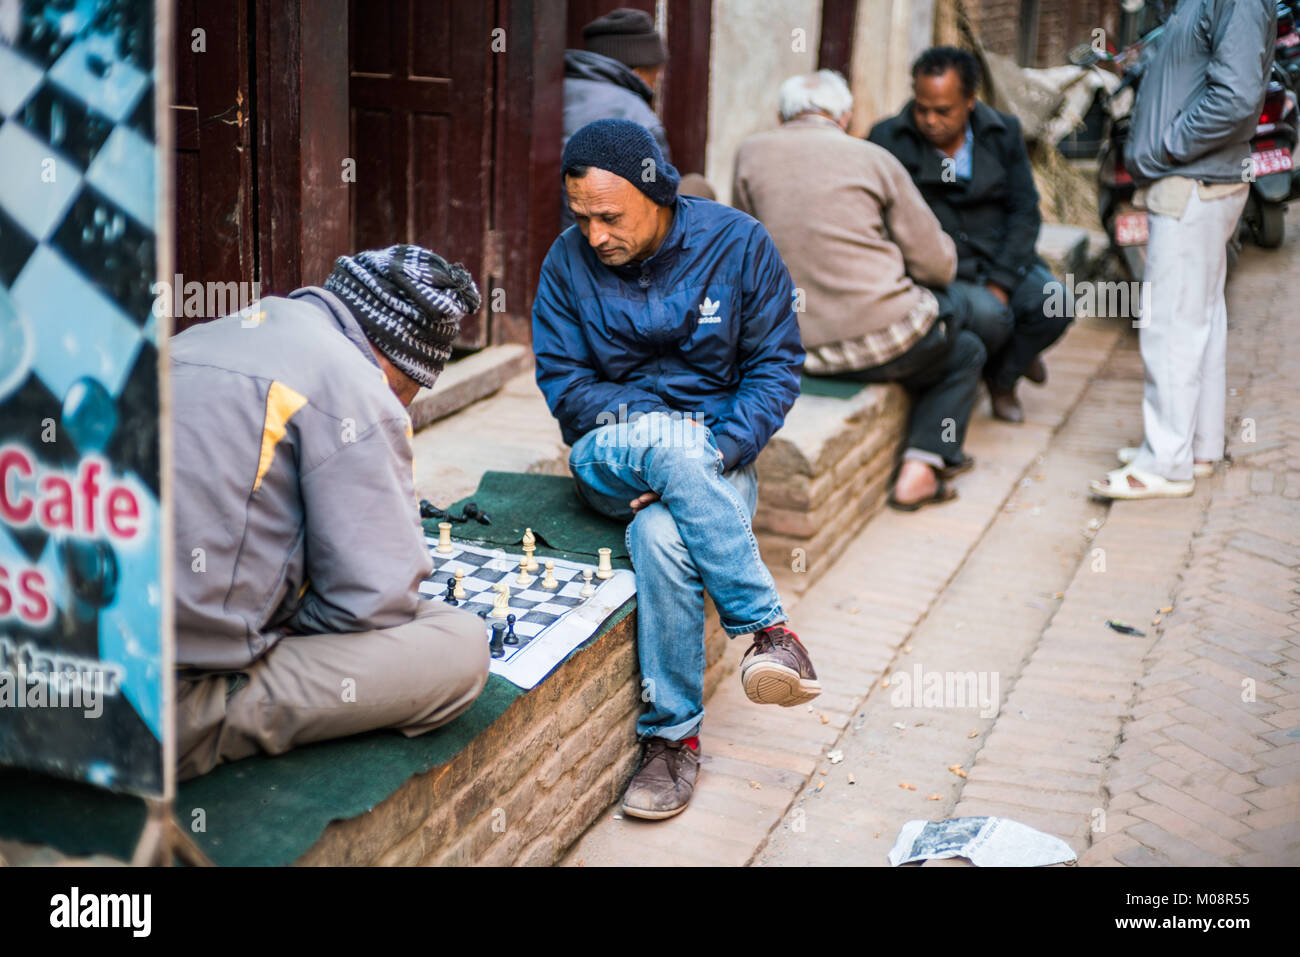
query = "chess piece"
x=444 y=538
x=498 y=637
x=588 y=589
x=460 y=585
x=530 y=546
x=511 y=638
x=549 y=581
x=604 y=569
x=524 y=579
x=450 y=597
x=501 y=603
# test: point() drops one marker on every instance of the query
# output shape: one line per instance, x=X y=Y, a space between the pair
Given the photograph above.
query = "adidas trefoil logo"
x=709 y=310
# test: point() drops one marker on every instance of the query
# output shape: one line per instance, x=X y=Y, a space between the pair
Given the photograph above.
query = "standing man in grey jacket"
x=299 y=548
x=1202 y=87
x=614 y=78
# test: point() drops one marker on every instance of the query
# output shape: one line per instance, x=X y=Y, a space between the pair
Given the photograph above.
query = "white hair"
x=824 y=92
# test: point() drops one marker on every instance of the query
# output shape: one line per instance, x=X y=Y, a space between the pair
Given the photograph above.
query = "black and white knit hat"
x=409 y=302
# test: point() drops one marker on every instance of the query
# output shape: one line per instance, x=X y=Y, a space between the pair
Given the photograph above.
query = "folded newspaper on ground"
x=984 y=841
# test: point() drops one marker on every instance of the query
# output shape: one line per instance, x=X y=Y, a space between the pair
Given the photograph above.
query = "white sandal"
x=1127 y=454
x=1154 y=486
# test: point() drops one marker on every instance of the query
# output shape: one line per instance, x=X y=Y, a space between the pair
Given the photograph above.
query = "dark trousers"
x=941 y=373
x=1017 y=332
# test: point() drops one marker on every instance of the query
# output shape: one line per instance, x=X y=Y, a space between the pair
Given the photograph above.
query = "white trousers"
x=1183 y=336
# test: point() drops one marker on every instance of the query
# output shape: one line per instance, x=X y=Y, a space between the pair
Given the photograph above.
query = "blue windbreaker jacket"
x=704 y=326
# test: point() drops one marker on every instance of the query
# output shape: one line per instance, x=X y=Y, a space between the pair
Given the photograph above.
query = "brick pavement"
x=1207 y=770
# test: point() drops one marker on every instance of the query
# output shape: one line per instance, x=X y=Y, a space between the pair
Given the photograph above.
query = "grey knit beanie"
x=409 y=302
x=626 y=35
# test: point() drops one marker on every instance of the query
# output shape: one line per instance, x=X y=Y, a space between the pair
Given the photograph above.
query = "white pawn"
x=549 y=581
x=524 y=579
x=459 y=590
x=588 y=589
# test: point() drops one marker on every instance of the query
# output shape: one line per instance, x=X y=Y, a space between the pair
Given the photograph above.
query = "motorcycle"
x=1273 y=177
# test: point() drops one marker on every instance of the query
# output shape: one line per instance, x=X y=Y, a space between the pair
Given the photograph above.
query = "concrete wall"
x=752 y=52
x=889 y=35
x=754 y=49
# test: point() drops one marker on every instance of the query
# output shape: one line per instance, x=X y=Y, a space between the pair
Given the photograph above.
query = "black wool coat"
x=993 y=218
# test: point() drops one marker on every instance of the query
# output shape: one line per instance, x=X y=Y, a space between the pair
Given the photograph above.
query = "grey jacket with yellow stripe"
x=294 y=500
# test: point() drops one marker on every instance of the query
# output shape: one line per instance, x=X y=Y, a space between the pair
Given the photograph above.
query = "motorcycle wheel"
x=1272 y=225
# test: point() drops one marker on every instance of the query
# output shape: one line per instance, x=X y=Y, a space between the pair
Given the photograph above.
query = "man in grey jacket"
x=613 y=78
x=1202 y=87
x=298 y=544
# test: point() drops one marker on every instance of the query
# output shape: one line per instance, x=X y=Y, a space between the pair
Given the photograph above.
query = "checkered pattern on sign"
x=77 y=258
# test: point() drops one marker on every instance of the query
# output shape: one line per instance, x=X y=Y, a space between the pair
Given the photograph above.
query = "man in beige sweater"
x=869 y=261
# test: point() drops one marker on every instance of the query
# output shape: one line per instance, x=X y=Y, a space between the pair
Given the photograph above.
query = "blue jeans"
x=1017 y=332
x=696 y=537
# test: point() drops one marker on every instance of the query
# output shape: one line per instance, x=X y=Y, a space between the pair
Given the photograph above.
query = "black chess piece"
x=498 y=649
x=511 y=638
x=471 y=512
x=450 y=597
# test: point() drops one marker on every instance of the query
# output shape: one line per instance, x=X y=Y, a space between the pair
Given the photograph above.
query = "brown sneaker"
x=777 y=670
x=664 y=785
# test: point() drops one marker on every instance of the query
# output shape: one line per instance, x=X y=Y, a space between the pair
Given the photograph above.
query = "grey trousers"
x=412 y=677
x=1183 y=336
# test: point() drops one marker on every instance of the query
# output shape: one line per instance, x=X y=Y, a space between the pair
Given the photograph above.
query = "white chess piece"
x=459 y=591
x=524 y=579
x=530 y=546
x=588 y=589
x=501 y=603
x=444 y=539
x=549 y=581
x=604 y=569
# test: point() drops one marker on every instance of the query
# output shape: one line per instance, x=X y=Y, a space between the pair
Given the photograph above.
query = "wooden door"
x=419 y=90
x=214 y=210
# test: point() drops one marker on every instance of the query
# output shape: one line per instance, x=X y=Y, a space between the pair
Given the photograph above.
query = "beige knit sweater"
x=853 y=230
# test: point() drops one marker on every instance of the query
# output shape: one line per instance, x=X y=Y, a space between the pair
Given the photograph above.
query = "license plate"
x=1290 y=40
x=1131 y=229
x=1271 y=161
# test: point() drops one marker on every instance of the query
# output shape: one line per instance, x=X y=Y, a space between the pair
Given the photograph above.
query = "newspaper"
x=984 y=841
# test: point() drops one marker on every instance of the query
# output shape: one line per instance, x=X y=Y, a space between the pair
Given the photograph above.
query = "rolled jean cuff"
x=675 y=732
x=773 y=617
x=913 y=454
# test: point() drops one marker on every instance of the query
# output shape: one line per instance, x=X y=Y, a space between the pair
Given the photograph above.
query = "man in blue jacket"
x=668 y=349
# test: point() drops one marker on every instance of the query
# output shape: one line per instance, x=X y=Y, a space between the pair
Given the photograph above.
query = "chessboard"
x=549 y=624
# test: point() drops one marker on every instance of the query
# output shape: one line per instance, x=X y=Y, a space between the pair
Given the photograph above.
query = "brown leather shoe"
x=777 y=670
x=1005 y=405
x=1037 y=371
x=665 y=782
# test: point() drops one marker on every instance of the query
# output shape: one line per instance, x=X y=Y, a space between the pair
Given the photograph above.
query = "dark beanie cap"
x=622 y=147
x=626 y=35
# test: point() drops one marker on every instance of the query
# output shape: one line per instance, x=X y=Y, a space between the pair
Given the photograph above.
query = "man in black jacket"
x=969 y=162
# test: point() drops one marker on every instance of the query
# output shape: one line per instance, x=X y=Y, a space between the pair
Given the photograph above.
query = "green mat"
x=269 y=811
x=548 y=504
x=829 y=387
